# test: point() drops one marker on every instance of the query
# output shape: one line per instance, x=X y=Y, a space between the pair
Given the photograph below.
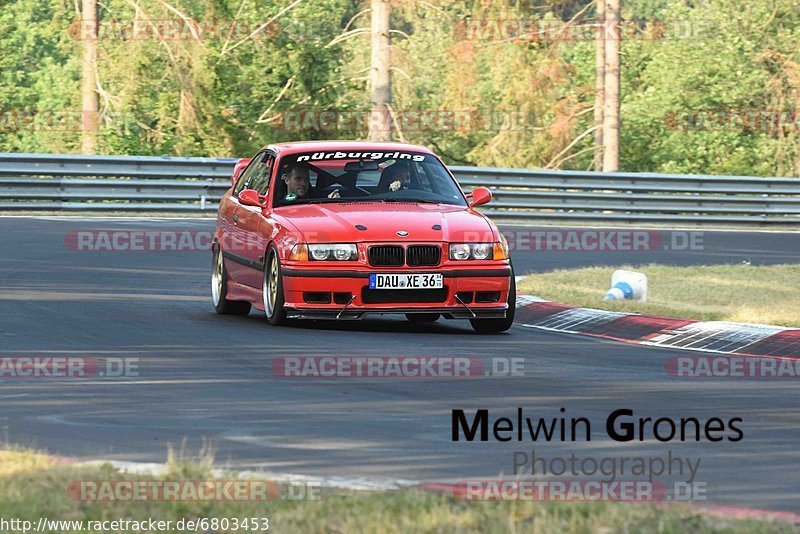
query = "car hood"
x=359 y=221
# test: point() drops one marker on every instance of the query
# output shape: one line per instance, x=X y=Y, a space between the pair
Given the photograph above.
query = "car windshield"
x=335 y=176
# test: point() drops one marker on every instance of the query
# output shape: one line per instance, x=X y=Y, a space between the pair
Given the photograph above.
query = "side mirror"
x=250 y=197
x=480 y=196
x=239 y=168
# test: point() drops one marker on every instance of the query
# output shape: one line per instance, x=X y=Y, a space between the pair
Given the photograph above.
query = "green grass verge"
x=34 y=485
x=740 y=293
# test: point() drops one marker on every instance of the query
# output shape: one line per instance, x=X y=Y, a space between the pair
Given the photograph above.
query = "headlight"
x=459 y=252
x=319 y=253
x=345 y=252
x=341 y=252
x=472 y=251
x=482 y=251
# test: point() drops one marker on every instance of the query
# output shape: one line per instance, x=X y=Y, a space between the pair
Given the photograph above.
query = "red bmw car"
x=340 y=229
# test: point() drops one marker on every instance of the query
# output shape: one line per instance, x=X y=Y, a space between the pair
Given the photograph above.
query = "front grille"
x=386 y=255
x=396 y=256
x=389 y=296
x=423 y=255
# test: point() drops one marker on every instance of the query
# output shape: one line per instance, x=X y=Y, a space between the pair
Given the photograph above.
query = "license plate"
x=405 y=281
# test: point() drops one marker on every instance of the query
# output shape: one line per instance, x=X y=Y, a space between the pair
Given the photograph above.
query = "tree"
x=380 y=124
x=89 y=97
x=600 y=81
x=611 y=84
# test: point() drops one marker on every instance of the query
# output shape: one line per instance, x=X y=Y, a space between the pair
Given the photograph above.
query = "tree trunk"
x=599 y=85
x=380 y=124
x=612 y=88
x=89 y=95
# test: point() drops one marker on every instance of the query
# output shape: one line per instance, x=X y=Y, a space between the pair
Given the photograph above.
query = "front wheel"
x=272 y=289
x=219 y=289
x=495 y=326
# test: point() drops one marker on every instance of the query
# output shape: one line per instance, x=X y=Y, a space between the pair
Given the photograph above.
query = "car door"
x=236 y=240
x=253 y=229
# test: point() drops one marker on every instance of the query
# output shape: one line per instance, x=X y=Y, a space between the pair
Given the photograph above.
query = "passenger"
x=395 y=178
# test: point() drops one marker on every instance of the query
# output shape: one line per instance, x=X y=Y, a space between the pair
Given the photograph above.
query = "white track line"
x=340 y=482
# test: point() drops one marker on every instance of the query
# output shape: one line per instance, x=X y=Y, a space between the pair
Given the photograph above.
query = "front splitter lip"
x=496 y=272
x=357 y=314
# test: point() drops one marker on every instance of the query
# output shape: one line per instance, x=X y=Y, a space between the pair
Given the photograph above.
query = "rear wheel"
x=272 y=289
x=219 y=289
x=495 y=326
x=422 y=317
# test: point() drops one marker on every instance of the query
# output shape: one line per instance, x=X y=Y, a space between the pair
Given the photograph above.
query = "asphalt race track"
x=208 y=378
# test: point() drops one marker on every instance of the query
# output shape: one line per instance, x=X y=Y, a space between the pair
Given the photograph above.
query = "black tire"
x=273 y=310
x=219 y=289
x=422 y=317
x=495 y=326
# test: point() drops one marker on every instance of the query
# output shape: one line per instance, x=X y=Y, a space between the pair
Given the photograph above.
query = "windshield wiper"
x=418 y=200
x=365 y=199
x=317 y=201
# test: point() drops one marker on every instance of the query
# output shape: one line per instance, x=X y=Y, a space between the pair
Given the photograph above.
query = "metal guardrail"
x=43 y=182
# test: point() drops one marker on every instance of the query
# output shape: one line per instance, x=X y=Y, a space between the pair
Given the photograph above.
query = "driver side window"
x=247 y=177
x=261 y=175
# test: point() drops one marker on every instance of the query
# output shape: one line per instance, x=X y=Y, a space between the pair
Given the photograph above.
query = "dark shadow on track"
x=391 y=324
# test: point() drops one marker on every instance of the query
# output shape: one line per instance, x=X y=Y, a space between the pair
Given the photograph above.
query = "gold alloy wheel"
x=271 y=286
x=216 y=279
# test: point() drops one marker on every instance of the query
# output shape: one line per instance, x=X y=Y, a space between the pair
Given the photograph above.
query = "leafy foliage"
x=703 y=82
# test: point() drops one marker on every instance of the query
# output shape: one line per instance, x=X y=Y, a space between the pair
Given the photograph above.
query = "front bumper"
x=352 y=285
x=350 y=314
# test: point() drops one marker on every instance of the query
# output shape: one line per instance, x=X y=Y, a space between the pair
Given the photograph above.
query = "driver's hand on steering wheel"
x=334 y=194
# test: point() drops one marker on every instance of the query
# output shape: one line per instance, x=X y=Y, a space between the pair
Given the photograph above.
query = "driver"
x=298 y=183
